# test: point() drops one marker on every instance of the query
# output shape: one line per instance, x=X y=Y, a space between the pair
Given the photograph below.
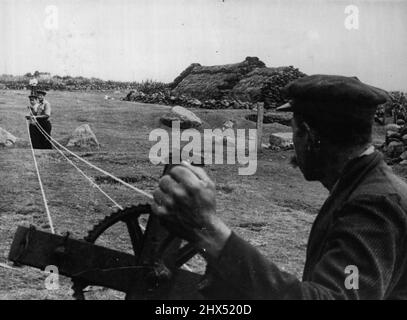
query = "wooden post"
x=260 y=116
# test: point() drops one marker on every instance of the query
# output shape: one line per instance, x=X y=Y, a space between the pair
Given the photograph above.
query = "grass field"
x=273 y=209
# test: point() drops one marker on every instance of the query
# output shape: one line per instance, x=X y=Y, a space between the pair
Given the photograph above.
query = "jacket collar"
x=354 y=171
x=370 y=150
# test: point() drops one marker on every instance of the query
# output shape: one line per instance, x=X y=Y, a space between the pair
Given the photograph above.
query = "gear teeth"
x=105 y=223
x=93 y=234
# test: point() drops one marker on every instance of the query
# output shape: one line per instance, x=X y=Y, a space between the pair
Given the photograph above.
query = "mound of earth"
x=6 y=138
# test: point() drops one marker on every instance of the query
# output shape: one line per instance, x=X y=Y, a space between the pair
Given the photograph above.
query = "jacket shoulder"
x=382 y=183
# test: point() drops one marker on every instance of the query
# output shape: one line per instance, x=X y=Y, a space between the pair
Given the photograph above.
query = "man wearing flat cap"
x=361 y=226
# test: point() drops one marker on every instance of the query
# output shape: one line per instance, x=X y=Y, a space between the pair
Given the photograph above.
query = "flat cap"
x=333 y=89
x=338 y=107
x=41 y=92
x=32 y=96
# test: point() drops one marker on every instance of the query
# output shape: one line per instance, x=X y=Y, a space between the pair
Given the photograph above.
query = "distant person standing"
x=41 y=112
x=35 y=134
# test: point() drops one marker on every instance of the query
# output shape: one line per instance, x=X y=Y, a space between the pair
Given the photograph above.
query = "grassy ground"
x=273 y=209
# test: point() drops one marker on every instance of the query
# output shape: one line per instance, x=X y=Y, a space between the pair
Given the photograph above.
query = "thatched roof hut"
x=249 y=80
x=265 y=84
x=213 y=82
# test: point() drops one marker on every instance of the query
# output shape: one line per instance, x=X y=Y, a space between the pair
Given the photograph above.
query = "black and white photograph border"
x=203 y=150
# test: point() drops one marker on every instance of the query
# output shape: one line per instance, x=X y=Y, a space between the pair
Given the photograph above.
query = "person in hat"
x=42 y=115
x=357 y=245
x=35 y=134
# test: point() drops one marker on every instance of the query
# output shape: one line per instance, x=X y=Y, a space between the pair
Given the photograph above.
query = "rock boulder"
x=392 y=127
x=187 y=118
x=282 y=140
x=395 y=149
x=229 y=124
x=83 y=137
x=6 y=138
